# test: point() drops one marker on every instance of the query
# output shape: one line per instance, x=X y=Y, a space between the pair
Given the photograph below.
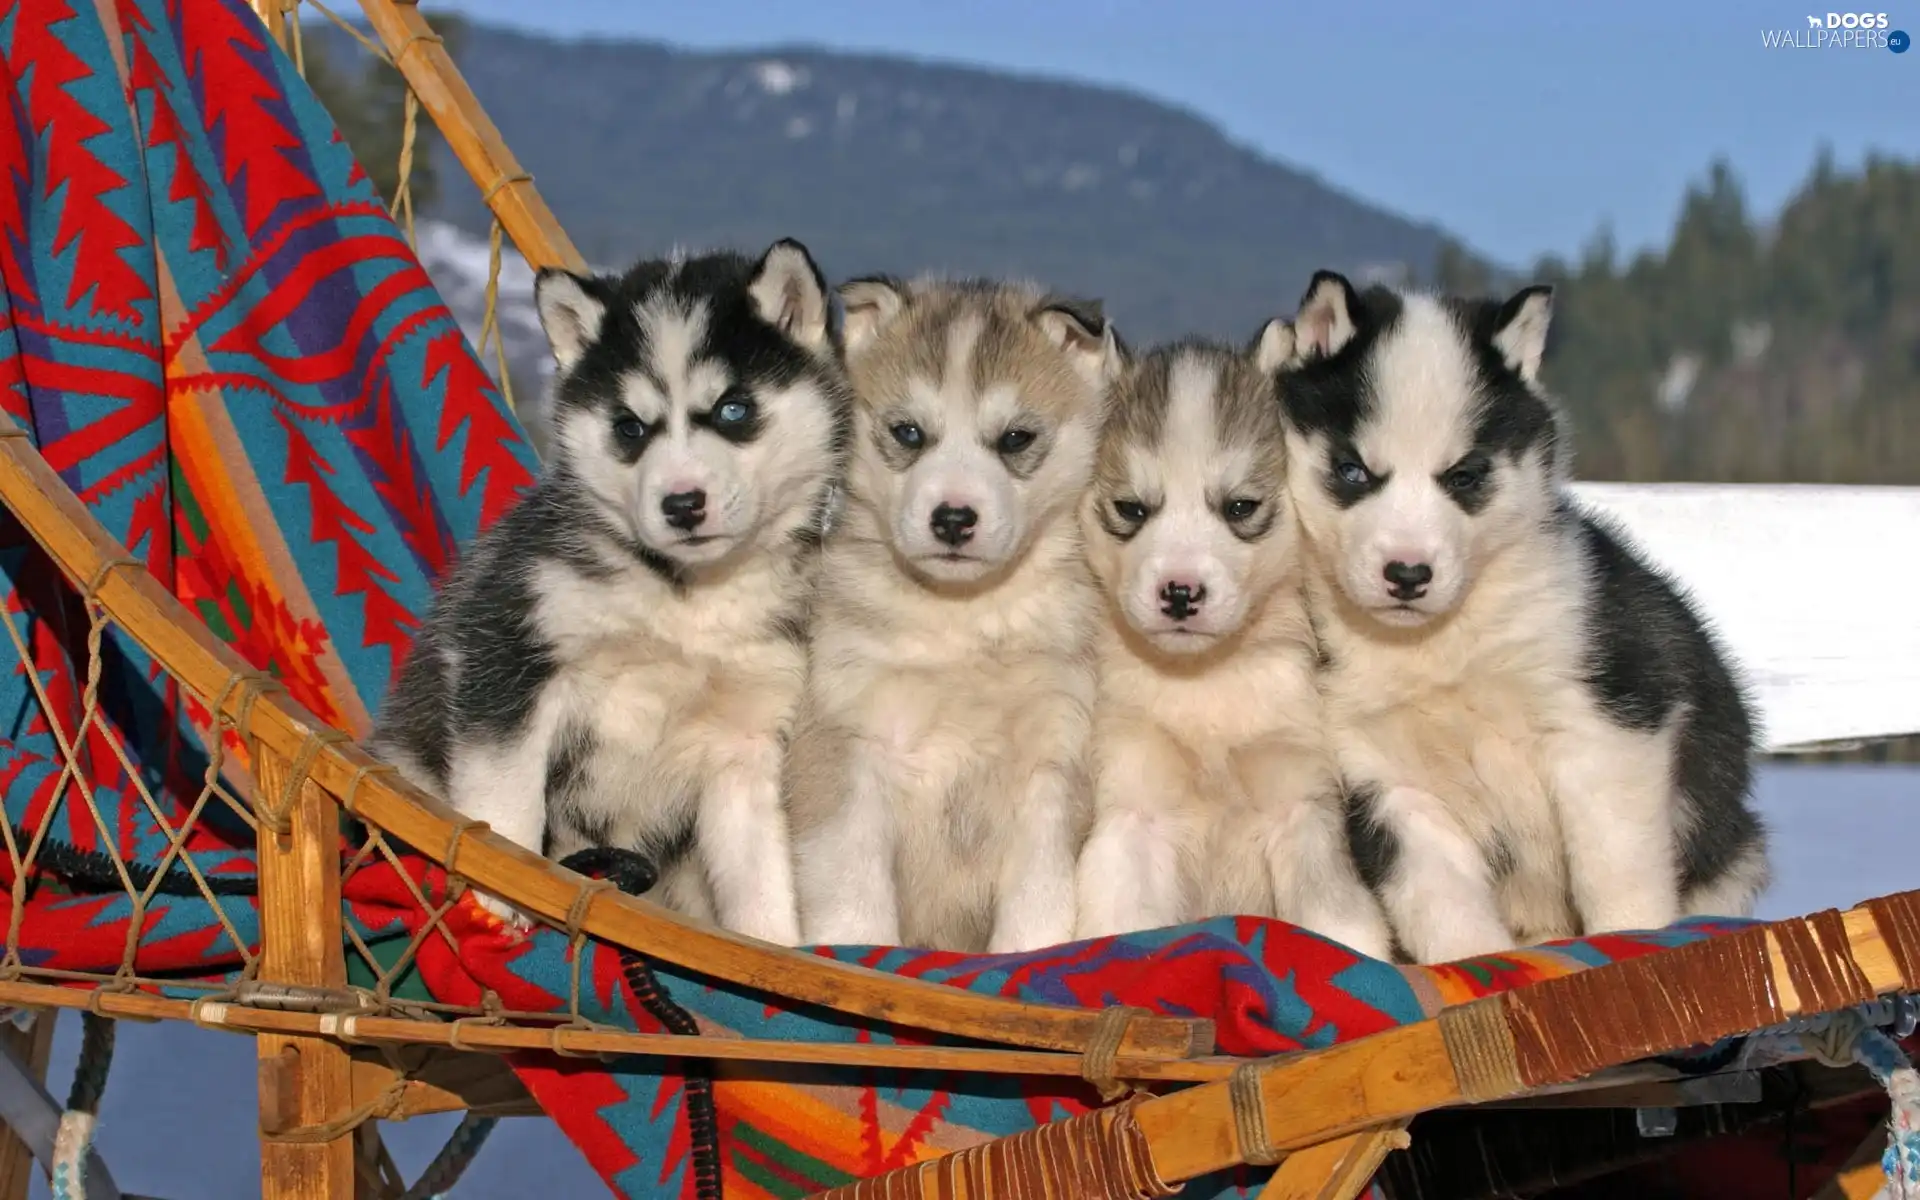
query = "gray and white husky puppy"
x=938 y=776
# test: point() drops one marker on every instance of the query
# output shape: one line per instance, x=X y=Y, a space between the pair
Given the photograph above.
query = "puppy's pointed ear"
x=1275 y=347
x=570 y=311
x=790 y=294
x=870 y=304
x=1520 y=329
x=1081 y=328
x=1324 y=324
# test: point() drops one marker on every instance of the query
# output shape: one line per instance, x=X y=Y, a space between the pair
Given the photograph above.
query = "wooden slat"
x=1403 y=1072
x=1335 y=1170
x=274 y=17
x=398 y=1031
x=33 y=1047
x=186 y=649
x=307 y=1081
x=444 y=93
x=1330 y=1093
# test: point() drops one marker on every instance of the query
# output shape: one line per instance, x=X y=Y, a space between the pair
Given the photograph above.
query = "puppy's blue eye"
x=909 y=435
x=629 y=429
x=1240 y=510
x=1352 y=472
x=736 y=411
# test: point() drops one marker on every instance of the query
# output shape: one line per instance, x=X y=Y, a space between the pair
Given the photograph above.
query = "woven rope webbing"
x=1101 y=1155
x=1480 y=1046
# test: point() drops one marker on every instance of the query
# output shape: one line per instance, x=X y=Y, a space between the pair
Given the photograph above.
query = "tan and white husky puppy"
x=1215 y=789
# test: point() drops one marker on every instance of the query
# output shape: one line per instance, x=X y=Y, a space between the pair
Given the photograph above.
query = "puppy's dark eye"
x=629 y=428
x=1013 y=441
x=735 y=408
x=1352 y=472
x=1240 y=510
x=1131 y=511
x=909 y=435
x=1468 y=477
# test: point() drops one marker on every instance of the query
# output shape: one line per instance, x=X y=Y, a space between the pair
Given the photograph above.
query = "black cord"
x=633 y=874
x=94 y=871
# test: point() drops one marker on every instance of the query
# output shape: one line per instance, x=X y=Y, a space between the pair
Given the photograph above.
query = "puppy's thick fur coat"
x=617 y=661
x=1215 y=791
x=938 y=776
x=1539 y=734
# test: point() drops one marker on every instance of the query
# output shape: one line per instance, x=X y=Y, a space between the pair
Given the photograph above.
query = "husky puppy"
x=938 y=775
x=618 y=660
x=1539 y=735
x=1215 y=791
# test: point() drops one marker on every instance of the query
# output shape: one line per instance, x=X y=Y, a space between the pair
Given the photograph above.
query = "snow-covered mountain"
x=888 y=164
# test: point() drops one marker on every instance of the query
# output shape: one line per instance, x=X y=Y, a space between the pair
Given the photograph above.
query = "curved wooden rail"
x=186 y=649
x=1352 y=1099
x=372 y=1029
x=1664 y=1002
x=505 y=186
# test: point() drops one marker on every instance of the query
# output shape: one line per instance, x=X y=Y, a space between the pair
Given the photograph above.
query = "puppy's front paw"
x=516 y=921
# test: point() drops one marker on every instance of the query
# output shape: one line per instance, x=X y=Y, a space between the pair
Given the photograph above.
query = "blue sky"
x=1521 y=127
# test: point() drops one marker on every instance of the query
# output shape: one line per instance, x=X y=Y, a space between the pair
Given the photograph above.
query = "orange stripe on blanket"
x=800 y=1121
x=1457 y=983
x=293 y=645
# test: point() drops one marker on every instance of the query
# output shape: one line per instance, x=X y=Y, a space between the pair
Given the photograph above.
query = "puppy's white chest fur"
x=671 y=695
x=948 y=737
x=1472 y=718
x=1217 y=794
x=1242 y=701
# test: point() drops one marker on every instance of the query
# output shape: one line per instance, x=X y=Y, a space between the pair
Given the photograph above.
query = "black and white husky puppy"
x=618 y=660
x=1539 y=735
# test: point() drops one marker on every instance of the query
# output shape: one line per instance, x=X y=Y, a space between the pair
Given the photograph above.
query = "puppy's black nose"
x=954 y=526
x=1408 y=580
x=685 y=510
x=1181 y=600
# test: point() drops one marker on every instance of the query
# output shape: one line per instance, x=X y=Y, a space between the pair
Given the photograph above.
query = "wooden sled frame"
x=1326 y=1118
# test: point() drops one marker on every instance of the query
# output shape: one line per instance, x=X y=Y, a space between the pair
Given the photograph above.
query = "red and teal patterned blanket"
x=214 y=334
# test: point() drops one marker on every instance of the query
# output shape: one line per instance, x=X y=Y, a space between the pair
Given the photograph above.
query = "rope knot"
x=1103 y=1049
x=1835 y=1042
